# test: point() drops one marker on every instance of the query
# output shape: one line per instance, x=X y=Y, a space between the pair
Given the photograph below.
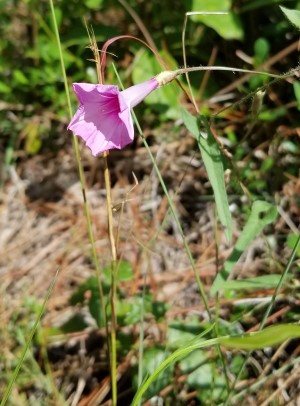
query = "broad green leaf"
x=212 y=159
x=228 y=26
x=266 y=338
x=292 y=15
x=262 y=213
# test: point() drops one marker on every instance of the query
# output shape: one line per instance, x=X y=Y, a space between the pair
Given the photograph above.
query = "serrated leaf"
x=262 y=213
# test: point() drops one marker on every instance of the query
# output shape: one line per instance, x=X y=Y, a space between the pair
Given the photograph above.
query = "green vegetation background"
x=33 y=113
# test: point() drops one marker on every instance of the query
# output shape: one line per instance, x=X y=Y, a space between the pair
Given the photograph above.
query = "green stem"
x=79 y=165
x=186 y=246
x=113 y=287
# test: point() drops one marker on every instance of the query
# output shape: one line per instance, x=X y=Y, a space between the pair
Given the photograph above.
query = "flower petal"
x=103 y=119
x=132 y=96
x=87 y=92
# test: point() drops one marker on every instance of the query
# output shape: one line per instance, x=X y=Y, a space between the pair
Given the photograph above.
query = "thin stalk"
x=173 y=211
x=141 y=339
x=184 y=51
x=266 y=315
x=114 y=267
x=186 y=246
x=177 y=221
x=226 y=68
x=185 y=65
x=113 y=287
x=79 y=165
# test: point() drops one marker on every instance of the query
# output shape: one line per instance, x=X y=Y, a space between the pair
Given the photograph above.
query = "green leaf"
x=19 y=77
x=212 y=159
x=228 y=26
x=125 y=272
x=190 y=122
x=4 y=88
x=180 y=332
x=94 y=300
x=272 y=114
x=153 y=357
x=260 y=282
x=292 y=15
x=292 y=241
x=94 y=4
x=296 y=86
x=266 y=338
x=261 y=50
x=262 y=213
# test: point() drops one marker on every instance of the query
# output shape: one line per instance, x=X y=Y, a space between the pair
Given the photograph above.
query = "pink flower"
x=103 y=119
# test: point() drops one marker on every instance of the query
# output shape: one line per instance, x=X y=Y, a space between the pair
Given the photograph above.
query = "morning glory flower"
x=103 y=119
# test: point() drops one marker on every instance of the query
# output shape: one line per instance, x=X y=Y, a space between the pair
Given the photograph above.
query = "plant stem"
x=79 y=166
x=114 y=267
x=224 y=68
x=113 y=287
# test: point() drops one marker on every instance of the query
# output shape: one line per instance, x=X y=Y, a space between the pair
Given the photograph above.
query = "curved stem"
x=225 y=68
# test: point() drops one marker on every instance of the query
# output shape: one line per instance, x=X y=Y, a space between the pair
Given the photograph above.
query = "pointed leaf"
x=265 y=338
x=212 y=159
x=262 y=213
x=292 y=15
